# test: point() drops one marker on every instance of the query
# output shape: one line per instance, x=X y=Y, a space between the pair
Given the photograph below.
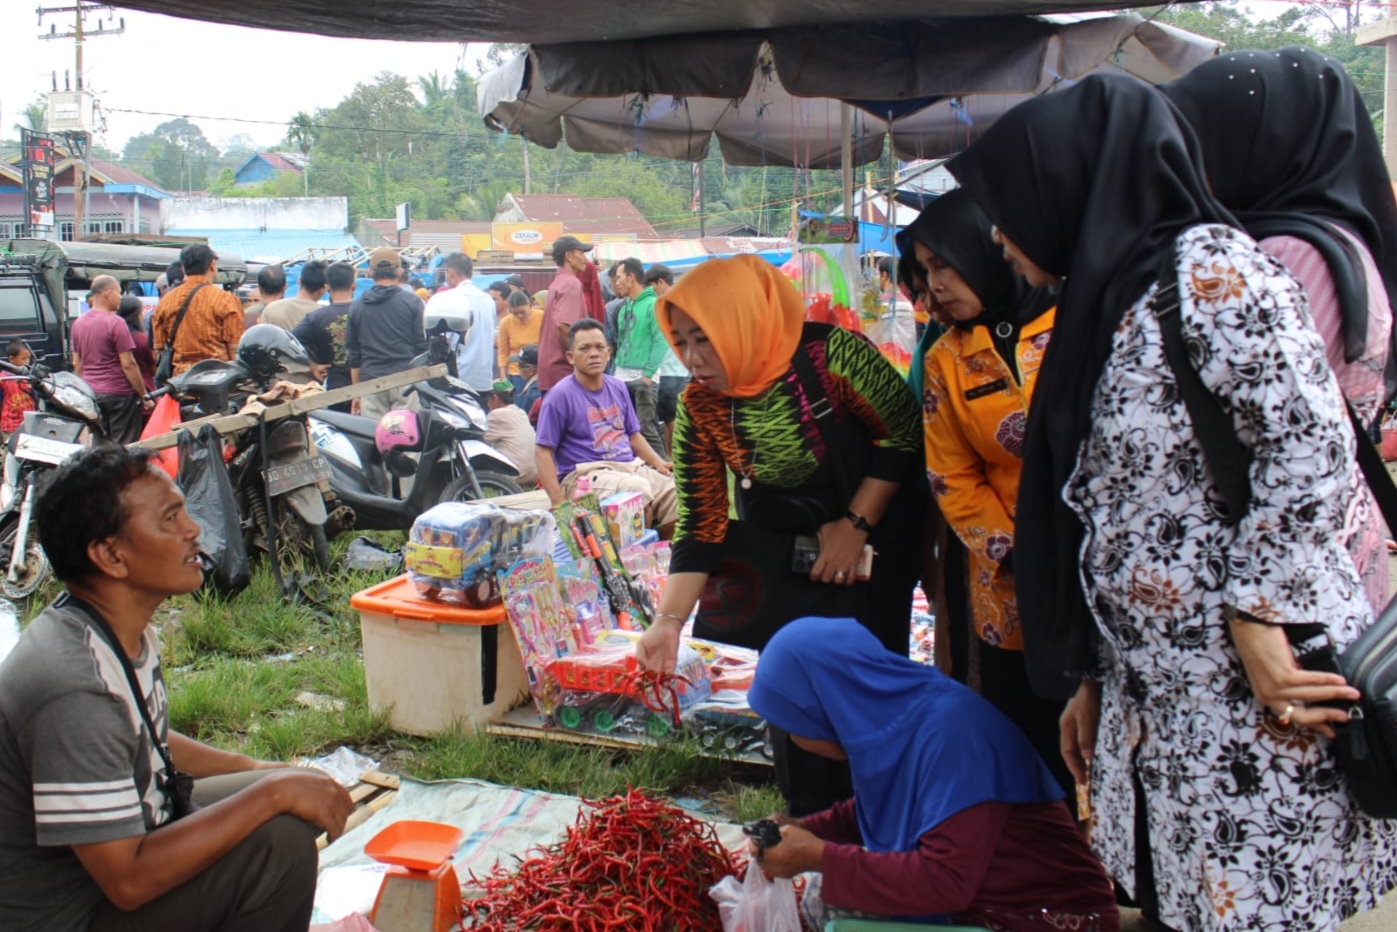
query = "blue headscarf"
x=921 y=746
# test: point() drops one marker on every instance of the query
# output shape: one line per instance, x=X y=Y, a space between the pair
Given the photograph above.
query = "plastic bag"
x=209 y=499
x=162 y=419
x=369 y=555
x=757 y=904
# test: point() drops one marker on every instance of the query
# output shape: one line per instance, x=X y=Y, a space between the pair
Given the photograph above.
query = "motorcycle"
x=443 y=454
x=275 y=471
x=66 y=421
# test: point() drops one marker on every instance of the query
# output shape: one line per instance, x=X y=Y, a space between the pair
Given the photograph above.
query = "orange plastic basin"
x=418 y=846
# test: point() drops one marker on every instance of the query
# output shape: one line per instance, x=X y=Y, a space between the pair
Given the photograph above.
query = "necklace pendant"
x=746 y=482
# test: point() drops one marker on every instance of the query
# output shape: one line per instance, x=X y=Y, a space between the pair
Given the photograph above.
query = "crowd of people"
x=1117 y=714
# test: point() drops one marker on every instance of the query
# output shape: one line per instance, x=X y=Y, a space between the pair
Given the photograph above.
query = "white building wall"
x=252 y=213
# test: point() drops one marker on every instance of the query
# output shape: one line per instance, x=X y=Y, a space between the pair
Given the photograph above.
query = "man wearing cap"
x=509 y=431
x=516 y=283
x=384 y=335
x=214 y=322
x=104 y=358
x=673 y=375
x=464 y=302
x=564 y=307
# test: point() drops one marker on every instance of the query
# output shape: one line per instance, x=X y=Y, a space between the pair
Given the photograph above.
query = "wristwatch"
x=860 y=522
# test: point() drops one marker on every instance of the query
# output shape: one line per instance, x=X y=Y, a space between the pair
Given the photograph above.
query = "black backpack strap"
x=1227 y=456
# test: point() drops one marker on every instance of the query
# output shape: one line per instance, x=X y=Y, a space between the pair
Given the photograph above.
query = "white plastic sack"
x=757 y=904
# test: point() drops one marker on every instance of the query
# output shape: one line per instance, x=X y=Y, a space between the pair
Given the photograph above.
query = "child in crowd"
x=15 y=396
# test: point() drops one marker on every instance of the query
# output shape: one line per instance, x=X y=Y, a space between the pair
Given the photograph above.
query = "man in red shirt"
x=565 y=306
x=104 y=358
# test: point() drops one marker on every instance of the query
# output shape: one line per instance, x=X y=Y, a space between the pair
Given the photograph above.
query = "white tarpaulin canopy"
x=775 y=97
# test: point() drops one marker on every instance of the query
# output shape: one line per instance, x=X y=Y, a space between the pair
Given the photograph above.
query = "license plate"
x=44 y=449
x=288 y=476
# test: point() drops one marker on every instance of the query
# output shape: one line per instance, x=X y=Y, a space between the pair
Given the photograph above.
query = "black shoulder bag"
x=165 y=364
x=1366 y=747
x=755 y=591
x=177 y=787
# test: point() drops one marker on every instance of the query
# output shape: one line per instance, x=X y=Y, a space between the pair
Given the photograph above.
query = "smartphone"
x=807 y=550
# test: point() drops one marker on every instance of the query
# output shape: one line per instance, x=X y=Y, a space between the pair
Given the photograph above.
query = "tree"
x=175 y=156
x=34 y=116
x=301 y=134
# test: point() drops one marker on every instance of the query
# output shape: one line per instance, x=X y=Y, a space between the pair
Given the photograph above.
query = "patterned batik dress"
x=1250 y=822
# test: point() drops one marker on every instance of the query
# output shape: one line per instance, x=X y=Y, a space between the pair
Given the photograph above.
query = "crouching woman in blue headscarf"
x=953 y=812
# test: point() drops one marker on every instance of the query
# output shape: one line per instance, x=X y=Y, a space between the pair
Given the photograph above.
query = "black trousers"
x=123 y=416
x=1004 y=682
x=265 y=884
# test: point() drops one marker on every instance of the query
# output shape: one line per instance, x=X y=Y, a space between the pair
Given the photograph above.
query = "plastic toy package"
x=602 y=691
x=543 y=625
x=456 y=549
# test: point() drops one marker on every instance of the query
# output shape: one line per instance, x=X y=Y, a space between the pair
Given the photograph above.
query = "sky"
x=188 y=68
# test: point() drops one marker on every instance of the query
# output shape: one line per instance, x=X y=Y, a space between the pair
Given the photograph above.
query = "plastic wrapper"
x=456 y=550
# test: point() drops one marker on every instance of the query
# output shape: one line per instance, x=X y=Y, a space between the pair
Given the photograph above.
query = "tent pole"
x=846 y=157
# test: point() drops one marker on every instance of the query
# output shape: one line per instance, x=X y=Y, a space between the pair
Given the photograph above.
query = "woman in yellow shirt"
x=518 y=329
x=978 y=379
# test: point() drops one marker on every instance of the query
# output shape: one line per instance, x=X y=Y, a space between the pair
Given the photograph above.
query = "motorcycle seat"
x=355 y=424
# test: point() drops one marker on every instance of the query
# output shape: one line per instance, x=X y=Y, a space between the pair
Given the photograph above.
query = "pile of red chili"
x=629 y=864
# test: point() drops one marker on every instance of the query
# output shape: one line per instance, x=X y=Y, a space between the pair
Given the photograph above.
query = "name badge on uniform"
x=980 y=391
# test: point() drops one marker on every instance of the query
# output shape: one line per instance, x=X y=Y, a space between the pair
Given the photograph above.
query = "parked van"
x=44 y=285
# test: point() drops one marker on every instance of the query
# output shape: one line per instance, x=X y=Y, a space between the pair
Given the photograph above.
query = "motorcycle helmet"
x=267 y=351
x=399 y=432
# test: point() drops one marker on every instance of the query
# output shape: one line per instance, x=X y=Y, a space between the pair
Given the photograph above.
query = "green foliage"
x=1309 y=25
x=176 y=156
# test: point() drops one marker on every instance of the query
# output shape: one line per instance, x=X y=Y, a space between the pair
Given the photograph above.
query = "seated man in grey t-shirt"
x=90 y=838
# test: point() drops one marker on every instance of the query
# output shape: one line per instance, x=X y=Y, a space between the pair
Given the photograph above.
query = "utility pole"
x=82 y=131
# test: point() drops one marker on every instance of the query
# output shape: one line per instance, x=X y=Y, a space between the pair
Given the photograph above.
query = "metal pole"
x=846 y=157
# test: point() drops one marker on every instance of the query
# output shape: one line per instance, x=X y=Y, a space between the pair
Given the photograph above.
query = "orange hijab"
x=751 y=314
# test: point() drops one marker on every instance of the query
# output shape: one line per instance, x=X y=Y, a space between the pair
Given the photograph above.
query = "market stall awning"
x=775 y=97
x=546 y=21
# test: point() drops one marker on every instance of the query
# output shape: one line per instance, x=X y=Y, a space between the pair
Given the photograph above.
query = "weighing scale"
x=420 y=893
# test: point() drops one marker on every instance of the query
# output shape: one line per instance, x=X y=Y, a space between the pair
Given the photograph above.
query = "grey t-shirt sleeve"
x=83 y=766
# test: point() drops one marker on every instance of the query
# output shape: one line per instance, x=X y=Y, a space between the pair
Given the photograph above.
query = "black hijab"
x=955 y=228
x=1093 y=183
x=1288 y=146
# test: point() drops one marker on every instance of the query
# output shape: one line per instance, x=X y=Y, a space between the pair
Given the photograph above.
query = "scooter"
x=274 y=468
x=453 y=463
x=66 y=421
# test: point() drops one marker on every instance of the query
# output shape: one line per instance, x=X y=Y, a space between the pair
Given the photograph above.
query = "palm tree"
x=301 y=134
x=34 y=116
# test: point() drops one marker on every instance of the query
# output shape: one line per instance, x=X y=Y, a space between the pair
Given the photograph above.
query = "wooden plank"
x=232 y=423
x=389 y=781
x=369 y=796
x=524 y=722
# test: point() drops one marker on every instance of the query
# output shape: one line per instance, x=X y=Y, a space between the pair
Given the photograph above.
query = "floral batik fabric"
x=1250 y=823
x=974 y=412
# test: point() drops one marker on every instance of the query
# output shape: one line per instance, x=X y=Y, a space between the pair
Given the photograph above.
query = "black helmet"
x=267 y=350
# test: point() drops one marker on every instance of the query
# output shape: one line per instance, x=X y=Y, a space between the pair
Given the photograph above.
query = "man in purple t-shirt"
x=103 y=358
x=588 y=427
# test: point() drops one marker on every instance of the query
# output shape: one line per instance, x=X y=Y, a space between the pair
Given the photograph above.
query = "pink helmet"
x=398 y=431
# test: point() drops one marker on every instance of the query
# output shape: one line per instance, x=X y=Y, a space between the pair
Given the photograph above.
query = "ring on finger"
x=1286 y=714
x=839 y=574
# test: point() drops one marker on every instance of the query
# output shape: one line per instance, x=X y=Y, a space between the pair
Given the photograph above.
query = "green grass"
x=236 y=667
